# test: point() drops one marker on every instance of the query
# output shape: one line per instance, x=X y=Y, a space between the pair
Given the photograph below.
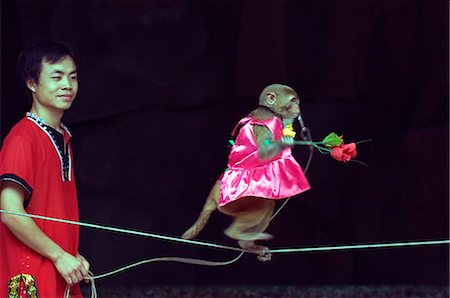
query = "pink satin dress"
x=248 y=176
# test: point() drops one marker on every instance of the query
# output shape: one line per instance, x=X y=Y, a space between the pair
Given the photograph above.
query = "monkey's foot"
x=265 y=257
x=262 y=251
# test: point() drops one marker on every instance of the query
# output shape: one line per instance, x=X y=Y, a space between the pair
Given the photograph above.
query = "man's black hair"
x=29 y=64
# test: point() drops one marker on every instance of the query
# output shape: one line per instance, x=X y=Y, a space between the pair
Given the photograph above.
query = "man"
x=40 y=258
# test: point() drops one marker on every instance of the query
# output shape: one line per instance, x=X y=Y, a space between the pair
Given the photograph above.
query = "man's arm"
x=25 y=229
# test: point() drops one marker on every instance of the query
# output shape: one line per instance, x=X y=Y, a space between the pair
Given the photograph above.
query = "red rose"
x=344 y=152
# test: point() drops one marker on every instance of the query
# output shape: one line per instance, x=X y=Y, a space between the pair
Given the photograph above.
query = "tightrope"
x=123 y=231
x=361 y=246
x=208 y=244
x=214 y=245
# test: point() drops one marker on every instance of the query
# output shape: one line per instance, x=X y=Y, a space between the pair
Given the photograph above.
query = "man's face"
x=58 y=85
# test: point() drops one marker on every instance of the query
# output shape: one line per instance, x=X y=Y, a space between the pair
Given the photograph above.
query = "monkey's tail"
x=209 y=207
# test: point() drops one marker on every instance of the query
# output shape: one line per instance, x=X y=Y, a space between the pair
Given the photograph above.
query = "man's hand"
x=71 y=268
x=86 y=265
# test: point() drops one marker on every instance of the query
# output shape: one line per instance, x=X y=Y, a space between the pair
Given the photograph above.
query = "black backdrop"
x=162 y=84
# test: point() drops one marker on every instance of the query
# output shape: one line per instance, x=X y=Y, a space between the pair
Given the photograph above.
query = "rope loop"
x=93 y=287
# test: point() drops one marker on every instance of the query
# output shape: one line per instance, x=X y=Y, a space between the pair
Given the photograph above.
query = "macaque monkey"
x=261 y=169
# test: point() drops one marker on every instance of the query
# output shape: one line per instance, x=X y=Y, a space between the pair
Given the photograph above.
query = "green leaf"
x=332 y=140
x=231 y=142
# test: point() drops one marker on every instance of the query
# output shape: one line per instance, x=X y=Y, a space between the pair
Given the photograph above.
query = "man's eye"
x=56 y=78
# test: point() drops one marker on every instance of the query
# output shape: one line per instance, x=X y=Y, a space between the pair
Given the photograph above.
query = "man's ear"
x=271 y=98
x=31 y=85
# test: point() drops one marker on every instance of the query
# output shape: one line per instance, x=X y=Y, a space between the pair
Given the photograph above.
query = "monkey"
x=261 y=169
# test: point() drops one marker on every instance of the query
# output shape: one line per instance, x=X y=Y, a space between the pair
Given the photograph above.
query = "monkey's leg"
x=249 y=218
x=262 y=251
x=267 y=210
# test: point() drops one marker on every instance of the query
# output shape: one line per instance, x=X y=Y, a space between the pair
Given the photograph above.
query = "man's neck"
x=50 y=117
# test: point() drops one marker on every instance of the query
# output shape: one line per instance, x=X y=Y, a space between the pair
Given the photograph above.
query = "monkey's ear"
x=271 y=97
x=31 y=85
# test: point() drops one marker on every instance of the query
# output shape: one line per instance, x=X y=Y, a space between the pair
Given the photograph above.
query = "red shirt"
x=31 y=157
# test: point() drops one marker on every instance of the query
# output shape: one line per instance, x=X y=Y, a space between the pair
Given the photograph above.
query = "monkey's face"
x=289 y=105
x=281 y=99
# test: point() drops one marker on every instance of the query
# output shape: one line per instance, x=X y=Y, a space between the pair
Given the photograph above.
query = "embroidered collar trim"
x=66 y=161
x=41 y=121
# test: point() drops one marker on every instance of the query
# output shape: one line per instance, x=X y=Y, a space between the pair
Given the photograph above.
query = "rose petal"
x=351 y=149
x=336 y=153
x=346 y=157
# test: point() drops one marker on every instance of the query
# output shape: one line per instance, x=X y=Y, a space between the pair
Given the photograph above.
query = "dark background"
x=162 y=84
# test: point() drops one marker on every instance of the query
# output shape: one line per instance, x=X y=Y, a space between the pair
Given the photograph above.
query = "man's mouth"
x=66 y=96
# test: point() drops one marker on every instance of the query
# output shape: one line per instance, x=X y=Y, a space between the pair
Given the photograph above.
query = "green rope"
x=123 y=231
x=360 y=246
x=214 y=245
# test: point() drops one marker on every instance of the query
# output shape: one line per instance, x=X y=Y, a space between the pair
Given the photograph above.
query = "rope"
x=208 y=244
x=133 y=232
x=147 y=261
x=93 y=287
x=124 y=231
x=171 y=259
x=360 y=246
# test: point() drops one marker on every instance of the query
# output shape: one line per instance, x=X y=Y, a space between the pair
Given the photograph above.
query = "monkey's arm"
x=266 y=150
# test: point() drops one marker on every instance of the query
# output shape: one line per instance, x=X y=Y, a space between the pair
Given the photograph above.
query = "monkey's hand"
x=287 y=141
x=267 y=147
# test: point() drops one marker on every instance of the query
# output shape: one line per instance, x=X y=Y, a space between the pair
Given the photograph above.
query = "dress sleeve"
x=16 y=163
x=270 y=124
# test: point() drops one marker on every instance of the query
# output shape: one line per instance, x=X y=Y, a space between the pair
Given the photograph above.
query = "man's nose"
x=66 y=83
